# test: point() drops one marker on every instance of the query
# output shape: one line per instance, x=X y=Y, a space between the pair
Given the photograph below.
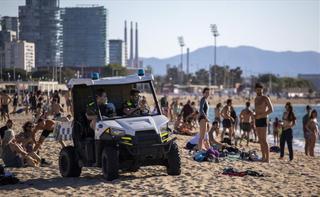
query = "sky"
x=277 y=25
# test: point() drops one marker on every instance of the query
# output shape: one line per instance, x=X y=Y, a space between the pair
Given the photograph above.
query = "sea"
x=299 y=110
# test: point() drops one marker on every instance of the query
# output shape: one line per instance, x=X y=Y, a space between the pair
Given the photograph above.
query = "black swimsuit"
x=261 y=122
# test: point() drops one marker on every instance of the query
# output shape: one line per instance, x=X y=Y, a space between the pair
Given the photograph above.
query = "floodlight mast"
x=215 y=33
x=181 y=44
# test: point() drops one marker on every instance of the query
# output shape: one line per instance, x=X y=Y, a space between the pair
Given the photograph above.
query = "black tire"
x=110 y=163
x=69 y=163
x=174 y=160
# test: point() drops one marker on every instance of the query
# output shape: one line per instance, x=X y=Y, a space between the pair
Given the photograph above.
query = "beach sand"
x=301 y=177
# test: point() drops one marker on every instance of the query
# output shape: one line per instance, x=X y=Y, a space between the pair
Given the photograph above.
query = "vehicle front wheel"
x=68 y=162
x=174 y=160
x=110 y=163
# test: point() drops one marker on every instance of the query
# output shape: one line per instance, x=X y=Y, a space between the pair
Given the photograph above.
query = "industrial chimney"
x=125 y=44
x=131 y=46
x=137 y=49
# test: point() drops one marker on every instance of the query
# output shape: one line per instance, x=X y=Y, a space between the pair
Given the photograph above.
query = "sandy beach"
x=282 y=178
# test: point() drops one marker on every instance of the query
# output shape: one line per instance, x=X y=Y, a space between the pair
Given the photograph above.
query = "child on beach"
x=276 y=131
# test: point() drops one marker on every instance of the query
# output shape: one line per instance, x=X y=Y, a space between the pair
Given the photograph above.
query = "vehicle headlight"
x=116 y=132
x=165 y=132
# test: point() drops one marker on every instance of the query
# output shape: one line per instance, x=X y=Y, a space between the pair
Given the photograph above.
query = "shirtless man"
x=5 y=101
x=56 y=108
x=263 y=107
x=227 y=119
x=246 y=119
x=47 y=127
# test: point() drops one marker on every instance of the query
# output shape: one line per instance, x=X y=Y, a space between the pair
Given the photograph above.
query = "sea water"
x=299 y=110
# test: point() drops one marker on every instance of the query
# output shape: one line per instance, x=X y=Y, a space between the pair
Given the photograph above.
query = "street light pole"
x=215 y=33
x=181 y=44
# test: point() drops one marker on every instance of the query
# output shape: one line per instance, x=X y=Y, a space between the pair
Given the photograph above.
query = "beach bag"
x=253 y=156
x=8 y=179
x=275 y=149
x=226 y=140
x=233 y=150
x=19 y=111
x=244 y=155
x=200 y=156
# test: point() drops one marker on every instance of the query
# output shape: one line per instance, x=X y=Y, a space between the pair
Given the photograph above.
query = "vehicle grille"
x=147 y=137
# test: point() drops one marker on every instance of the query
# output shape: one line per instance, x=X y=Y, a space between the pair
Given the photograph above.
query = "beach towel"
x=234 y=172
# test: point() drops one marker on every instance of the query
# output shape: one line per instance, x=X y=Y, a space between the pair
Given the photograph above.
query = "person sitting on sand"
x=13 y=154
x=212 y=138
x=182 y=127
x=209 y=140
x=26 y=138
x=47 y=127
x=55 y=109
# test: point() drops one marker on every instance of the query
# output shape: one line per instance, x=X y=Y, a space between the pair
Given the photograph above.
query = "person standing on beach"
x=289 y=121
x=305 y=120
x=164 y=105
x=312 y=128
x=203 y=117
x=263 y=107
x=227 y=119
x=276 y=131
x=5 y=101
x=246 y=118
x=217 y=117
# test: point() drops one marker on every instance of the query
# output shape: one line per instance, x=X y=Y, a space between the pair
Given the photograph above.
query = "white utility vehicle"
x=120 y=142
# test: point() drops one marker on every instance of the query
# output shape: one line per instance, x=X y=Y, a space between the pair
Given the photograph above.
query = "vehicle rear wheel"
x=110 y=163
x=174 y=161
x=69 y=163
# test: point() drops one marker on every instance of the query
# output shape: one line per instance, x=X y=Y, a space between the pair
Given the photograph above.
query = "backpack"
x=200 y=156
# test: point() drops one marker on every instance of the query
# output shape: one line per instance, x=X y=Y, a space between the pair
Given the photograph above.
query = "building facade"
x=10 y=23
x=19 y=54
x=40 y=23
x=84 y=36
x=117 y=52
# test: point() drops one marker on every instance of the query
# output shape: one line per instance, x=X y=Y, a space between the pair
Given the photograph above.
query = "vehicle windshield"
x=127 y=100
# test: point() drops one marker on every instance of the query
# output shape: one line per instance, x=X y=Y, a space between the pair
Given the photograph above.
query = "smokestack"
x=131 y=46
x=125 y=44
x=137 y=49
x=187 y=61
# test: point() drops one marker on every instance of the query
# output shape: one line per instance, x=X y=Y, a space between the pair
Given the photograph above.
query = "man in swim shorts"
x=263 y=107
